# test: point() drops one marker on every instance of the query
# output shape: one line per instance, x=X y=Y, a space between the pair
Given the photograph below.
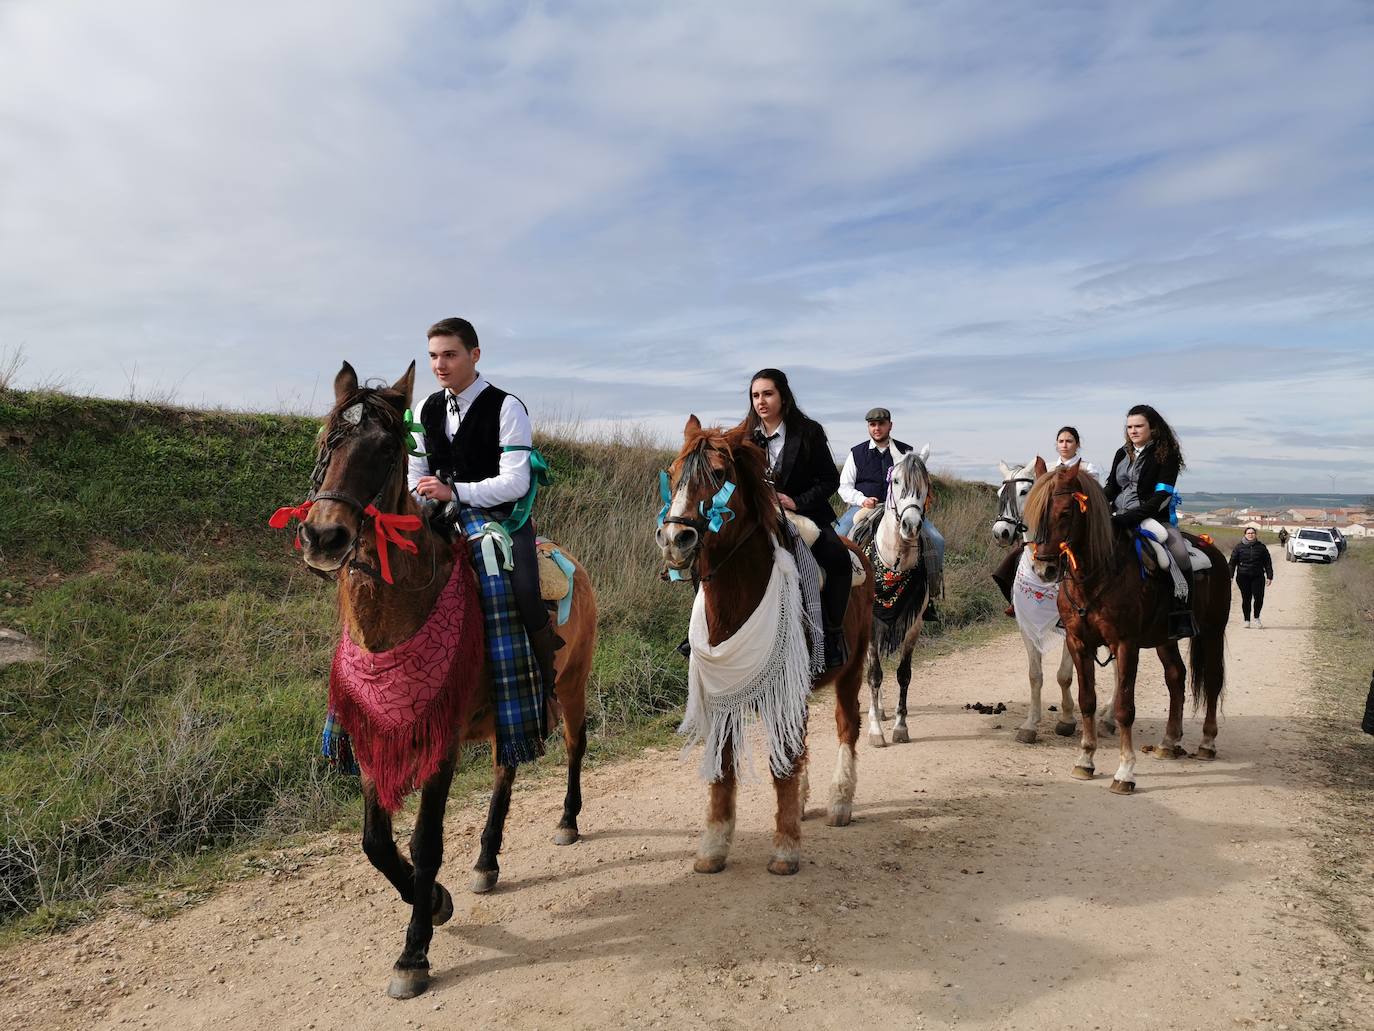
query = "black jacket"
x=806 y=471
x=1154 y=504
x=1251 y=558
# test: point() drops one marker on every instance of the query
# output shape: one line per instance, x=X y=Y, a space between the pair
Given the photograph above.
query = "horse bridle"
x=1011 y=499
x=702 y=526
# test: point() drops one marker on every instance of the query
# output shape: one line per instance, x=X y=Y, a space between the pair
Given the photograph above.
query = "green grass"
x=174 y=718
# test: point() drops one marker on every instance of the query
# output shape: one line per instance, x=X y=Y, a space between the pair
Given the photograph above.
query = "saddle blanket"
x=1157 y=536
x=808 y=531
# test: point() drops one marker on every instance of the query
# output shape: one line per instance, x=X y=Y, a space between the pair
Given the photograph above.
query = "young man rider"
x=477 y=442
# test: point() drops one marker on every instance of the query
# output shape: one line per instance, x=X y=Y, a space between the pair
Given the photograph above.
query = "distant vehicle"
x=1340 y=540
x=1312 y=546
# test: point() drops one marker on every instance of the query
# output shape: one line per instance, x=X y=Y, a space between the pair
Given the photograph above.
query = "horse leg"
x=1026 y=733
x=1065 y=725
x=900 y=733
x=379 y=844
x=720 y=818
x=876 y=715
x=576 y=742
x=786 y=857
x=487 y=871
x=1127 y=661
x=432 y=904
x=847 y=731
x=1174 y=675
x=1083 y=768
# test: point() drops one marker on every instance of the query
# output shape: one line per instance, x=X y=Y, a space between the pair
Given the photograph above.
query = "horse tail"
x=1207 y=665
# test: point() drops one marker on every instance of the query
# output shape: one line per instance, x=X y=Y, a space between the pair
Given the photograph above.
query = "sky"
x=992 y=218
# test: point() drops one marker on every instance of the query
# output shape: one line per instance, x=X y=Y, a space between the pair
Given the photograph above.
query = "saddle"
x=1154 y=555
x=809 y=532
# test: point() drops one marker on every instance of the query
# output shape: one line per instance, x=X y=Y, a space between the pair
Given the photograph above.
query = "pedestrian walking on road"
x=1253 y=570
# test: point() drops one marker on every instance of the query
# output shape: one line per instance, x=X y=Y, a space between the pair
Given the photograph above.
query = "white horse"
x=1036 y=602
x=894 y=541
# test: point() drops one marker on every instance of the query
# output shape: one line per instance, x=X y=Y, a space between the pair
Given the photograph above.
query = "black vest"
x=871 y=467
x=474 y=454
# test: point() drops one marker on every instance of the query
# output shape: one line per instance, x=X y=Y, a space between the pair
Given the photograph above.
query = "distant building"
x=1357 y=530
x=1309 y=515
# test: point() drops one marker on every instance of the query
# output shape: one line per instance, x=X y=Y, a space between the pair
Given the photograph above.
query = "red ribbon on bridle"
x=387 y=526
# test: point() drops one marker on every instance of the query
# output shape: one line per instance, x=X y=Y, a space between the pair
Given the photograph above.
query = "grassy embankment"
x=175 y=714
x=1342 y=757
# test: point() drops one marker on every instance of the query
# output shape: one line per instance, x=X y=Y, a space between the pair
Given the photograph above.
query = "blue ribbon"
x=665 y=494
x=1175 y=499
x=716 y=515
x=1138 y=538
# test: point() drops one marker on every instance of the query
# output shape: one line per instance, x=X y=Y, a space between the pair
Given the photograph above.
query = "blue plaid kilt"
x=517 y=688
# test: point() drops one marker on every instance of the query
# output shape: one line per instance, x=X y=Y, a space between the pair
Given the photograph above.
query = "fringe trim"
x=774 y=695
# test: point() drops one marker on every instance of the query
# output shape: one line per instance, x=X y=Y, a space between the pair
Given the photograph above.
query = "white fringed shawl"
x=763 y=672
x=1036 y=602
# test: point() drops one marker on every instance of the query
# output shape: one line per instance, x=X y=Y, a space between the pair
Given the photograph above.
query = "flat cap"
x=878 y=415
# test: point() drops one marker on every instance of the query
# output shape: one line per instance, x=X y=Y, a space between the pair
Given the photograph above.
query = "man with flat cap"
x=863 y=484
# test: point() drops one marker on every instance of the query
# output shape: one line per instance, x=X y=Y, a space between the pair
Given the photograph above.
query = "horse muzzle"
x=326 y=546
x=1004 y=532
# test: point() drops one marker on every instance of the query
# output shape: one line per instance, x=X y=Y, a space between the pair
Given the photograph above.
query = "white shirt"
x=512 y=482
x=774 y=442
x=850 y=472
x=1088 y=467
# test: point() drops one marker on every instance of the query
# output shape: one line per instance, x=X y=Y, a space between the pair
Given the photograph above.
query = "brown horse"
x=363 y=455
x=733 y=564
x=1103 y=600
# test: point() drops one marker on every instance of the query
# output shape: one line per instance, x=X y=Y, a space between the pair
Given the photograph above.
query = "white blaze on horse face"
x=678 y=508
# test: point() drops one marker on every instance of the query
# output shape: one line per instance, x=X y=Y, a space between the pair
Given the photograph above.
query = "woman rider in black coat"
x=1150 y=461
x=804 y=475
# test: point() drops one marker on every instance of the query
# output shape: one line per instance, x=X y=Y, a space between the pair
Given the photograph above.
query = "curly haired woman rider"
x=1141 y=485
x=804 y=475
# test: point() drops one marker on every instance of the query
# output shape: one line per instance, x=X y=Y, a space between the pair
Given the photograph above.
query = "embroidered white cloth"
x=1036 y=602
x=761 y=674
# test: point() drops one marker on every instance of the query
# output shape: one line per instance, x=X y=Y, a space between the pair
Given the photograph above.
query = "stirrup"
x=1182 y=624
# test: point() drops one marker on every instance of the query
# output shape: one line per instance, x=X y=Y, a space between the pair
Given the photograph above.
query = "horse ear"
x=1004 y=469
x=345 y=383
x=925 y=453
x=1040 y=467
x=405 y=386
x=693 y=426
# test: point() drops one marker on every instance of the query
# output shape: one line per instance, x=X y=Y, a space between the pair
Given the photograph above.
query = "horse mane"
x=750 y=464
x=1100 y=540
x=923 y=481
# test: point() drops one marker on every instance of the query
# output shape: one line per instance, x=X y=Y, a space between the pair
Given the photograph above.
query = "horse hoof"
x=1207 y=755
x=484 y=880
x=839 y=816
x=443 y=906
x=877 y=740
x=1082 y=773
x=1123 y=787
x=900 y=736
x=1065 y=729
x=1026 y=735
x=784 y=867
x=406 y=984
x=1169 y=752
x=565 y=836
x=709 y=864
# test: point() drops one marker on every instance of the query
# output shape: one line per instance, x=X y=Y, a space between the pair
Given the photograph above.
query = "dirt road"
x=979 y=885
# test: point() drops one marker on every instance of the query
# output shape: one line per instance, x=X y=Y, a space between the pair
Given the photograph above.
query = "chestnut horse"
x=1104 y=600
x=733 y=564
x=363 y=455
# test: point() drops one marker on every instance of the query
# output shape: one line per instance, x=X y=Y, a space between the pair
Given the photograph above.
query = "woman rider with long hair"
x=804 y=476
x=1141 y=485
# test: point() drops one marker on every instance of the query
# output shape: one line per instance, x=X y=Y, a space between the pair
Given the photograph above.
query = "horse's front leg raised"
x=1083 y=768
x=720 y=818
x=1028 y=731
x=1127 y=659
x=876 y=715
x=487 y=870
x=432 y=903
x=786 y=857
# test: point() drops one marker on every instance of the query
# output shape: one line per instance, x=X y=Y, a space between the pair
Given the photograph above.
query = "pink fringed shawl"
x=401 y=707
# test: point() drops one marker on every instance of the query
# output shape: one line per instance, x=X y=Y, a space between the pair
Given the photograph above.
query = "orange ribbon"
x=1067 y=552
x=1082 y=500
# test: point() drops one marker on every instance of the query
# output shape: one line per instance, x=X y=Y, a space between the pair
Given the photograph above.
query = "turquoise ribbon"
x=1175 y=499
x=493 y=537
x=540 y=476
x=720 y=512
x=665 y=494
x=564 y=603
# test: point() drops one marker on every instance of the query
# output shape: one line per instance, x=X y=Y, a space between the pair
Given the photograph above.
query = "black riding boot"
x=545 y=642
x=836 y=648
x=1181 y=621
